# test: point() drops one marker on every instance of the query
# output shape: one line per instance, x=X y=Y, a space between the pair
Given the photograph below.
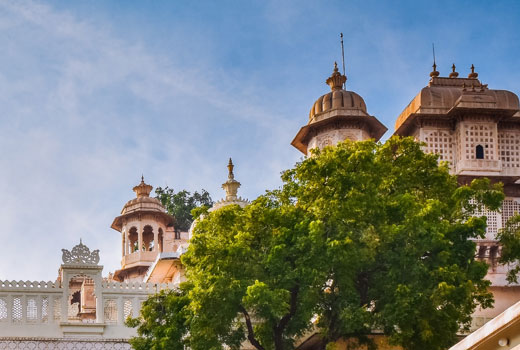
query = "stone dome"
x=143 y=203
x=337 y=98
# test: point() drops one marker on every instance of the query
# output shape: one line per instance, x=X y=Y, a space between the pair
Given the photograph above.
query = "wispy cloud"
x=84 y=114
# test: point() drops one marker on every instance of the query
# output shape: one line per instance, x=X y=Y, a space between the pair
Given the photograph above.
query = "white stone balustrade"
x=37 y=308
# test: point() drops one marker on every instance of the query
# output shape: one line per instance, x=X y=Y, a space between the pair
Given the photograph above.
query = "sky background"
x=95 y=93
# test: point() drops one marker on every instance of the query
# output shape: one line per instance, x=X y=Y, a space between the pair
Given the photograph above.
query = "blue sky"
x=96 y=93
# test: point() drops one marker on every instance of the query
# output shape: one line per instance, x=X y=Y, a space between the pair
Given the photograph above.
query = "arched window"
x=148 y=241
x=133 y=239
x=479 y=152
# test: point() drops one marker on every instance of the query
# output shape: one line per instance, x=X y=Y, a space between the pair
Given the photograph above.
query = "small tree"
x=180 y=204
x=361 y=237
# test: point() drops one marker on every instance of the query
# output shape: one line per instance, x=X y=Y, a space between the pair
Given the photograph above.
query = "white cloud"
x=84 y=113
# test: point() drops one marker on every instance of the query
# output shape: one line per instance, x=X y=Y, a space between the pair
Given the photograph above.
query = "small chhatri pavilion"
x=336 y=116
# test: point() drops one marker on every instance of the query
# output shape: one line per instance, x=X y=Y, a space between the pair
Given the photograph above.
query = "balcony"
x=138 y=257
x=487 y=167
x=482 y=167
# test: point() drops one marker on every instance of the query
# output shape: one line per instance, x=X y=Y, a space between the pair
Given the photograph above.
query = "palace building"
x=474 y=128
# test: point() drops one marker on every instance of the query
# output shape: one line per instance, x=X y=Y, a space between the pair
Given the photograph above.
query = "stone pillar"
x=129 y=248
x=50 y=309
x=24 y=309
x=65 y=298
x=123 y=244
x=39 y=309
x=10 y=307
x=155 y=237
x=140 y=237
x=98 y=290
x=120 y=311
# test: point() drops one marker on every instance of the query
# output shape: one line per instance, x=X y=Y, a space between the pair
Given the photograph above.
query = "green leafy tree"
x=509 y=239
x=180 y=204
x=361 y=237
x=162 y=324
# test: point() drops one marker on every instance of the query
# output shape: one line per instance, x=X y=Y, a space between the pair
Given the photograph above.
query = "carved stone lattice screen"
x=110 y=311
x=480 y=135
x=61 y=344
x=509 y=149
x=510 y=207
x=17 y=309
x=45 y=309
x=440 y=142
x=127 y=308
x=3 y=309
x=32 y=310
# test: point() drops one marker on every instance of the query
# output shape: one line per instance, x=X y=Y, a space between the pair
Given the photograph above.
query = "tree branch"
x=280 y=327
x=250 y=330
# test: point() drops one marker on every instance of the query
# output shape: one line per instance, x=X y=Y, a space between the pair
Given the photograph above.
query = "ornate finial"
x=453 y=73
x=434 y=73
x=231 y=185
x=80 y=241
x=80 y=255
x=230 y=167
x=336 y=80
x=473 y=75
x=143 y=189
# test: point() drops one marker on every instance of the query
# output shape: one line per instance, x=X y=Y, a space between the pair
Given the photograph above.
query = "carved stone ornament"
x=80 y=255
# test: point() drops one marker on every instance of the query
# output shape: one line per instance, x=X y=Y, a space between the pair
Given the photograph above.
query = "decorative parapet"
x=135 y=287
x=30 y=285
x=42 y=309
x=22 y=343
x=80 y=255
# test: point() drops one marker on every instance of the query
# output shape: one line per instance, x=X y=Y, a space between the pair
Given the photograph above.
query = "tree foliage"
x=360 y=237
x=162 y=324
x=180 y=204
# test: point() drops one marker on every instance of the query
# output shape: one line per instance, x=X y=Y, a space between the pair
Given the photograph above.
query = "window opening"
x=479 y=152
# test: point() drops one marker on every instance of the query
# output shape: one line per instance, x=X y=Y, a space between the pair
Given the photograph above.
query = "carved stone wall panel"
x=80 y=255
x=58 y=344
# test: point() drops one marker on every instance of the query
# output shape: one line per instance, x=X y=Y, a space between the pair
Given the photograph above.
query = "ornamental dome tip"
x=143 y=189
x=336 y=80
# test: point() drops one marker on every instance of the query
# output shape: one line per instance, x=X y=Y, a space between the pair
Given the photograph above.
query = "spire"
x=453 y=73
x=336 y=80
x=143 y=189
x=230 y=167
x=434 y=73
x=231 y=185
x=473 y=75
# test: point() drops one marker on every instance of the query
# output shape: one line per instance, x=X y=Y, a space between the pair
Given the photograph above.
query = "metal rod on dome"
x=433 y=49
x=343 y=58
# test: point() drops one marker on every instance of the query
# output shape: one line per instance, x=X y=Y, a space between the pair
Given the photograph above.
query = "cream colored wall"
x=333 y=136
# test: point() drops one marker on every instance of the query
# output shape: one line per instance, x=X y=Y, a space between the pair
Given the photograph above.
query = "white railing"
x=28 y=284
x=34 y=309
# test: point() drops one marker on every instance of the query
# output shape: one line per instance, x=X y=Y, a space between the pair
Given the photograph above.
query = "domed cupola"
x=146 y=231
x=336 y=116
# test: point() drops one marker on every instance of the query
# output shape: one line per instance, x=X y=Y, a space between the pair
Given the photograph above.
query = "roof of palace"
x=142 y=203
x=446 y=96
x=337 y=98
x=336 y=106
